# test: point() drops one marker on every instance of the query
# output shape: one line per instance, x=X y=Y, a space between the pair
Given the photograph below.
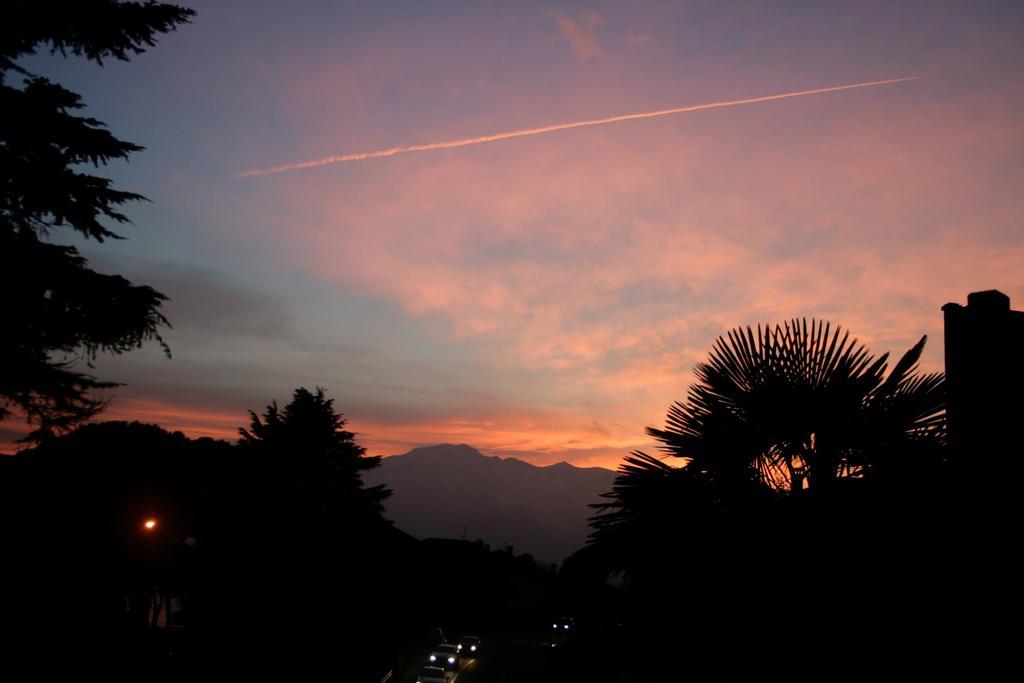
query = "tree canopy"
x=307 y=441
x=64 y=313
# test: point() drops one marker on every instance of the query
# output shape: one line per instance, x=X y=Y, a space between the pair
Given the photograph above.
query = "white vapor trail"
x=464 y=142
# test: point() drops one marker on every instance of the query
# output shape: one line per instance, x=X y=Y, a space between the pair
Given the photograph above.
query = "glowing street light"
x=149 y=524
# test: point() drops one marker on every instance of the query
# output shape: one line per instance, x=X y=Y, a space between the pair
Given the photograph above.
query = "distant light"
x=149 y=524
x=451 y=660
x=472 y=648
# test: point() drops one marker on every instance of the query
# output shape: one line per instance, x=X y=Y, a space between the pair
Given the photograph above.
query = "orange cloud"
x=576 y=278
x=539 y=437
x=193 y=422
x=11 y=430
x=607 y=262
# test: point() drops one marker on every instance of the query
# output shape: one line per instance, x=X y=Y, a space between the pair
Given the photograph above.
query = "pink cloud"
x=584 y=274
x=611 y=259
x=589 y=271
x=581 y=33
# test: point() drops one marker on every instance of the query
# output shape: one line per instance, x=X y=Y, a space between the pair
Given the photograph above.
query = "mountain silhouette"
x=447 y=491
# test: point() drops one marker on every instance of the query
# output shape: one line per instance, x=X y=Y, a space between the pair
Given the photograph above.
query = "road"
x=504 y=660
x=507 y=660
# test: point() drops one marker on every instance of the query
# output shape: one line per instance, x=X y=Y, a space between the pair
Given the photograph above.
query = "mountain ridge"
x=462 y=448
x=454 y=490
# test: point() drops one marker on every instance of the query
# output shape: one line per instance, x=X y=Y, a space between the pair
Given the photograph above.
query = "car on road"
x=561 y=630
x=432 y=674
x=469 y=646
x=446 y=656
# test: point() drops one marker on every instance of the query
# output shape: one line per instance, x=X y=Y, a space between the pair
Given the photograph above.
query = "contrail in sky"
x=465 y=142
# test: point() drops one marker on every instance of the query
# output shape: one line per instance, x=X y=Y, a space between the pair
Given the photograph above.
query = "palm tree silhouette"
x=794 y=443
x=779 y=411
x=793 y=407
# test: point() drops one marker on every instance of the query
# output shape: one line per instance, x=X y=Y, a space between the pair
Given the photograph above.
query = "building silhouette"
x=985 y=378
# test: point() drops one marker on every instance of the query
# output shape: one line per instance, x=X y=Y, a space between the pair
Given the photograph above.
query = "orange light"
x=149 y=524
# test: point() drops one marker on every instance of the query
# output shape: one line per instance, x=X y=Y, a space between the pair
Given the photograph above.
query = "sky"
x=545 y=297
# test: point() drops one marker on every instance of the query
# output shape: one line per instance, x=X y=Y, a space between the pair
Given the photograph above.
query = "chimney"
x=985 y=377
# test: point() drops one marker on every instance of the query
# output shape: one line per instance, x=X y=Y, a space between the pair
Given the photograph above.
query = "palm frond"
x=766 y=393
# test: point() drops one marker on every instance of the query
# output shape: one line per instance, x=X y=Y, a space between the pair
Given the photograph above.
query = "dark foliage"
x=64 y=313
x=266 y=580
x=86 y=570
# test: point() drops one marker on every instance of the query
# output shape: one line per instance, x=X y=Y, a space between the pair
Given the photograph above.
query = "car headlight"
x=451 y=660
x=472 y=648
x=433 y=658
x=566 y=627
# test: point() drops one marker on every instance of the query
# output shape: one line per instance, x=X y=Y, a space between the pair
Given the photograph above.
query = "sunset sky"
x=545 y=297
